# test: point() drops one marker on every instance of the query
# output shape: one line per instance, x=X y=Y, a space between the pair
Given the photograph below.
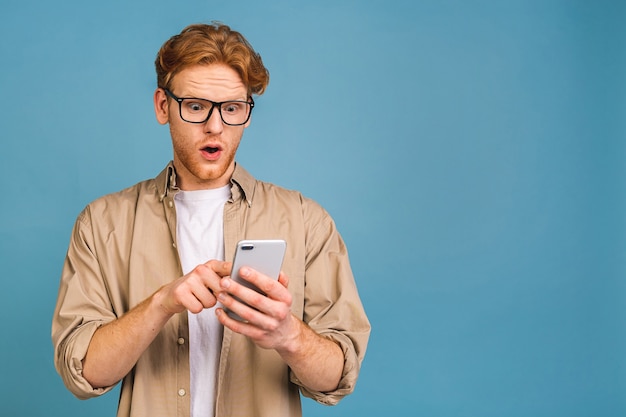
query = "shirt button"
x=182 y=392
x=181 y=341
x=171 y=203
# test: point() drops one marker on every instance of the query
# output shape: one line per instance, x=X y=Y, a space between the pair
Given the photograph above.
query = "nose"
x=214 y=123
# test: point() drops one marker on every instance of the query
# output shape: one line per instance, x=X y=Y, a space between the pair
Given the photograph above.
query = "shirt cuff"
x=349 y=374
x=70 y=364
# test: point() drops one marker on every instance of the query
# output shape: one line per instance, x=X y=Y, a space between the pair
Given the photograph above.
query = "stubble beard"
x=194 y=172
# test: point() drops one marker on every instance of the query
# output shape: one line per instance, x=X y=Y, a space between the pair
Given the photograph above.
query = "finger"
x=283 y=279
x=205 y=296
x=242 y=301
x=237 y=326
x=192 y=295
x=198 y=287
x=265 y=337
x=272 y=288
x=276 y=301
x=208 y=275
x=253 y=306
x=192 y=303
x=251 y=323
x=221 y=268
x=240 y=311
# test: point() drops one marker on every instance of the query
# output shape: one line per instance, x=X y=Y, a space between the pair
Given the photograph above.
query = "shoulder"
x=270 y=191
x=262 y=193
x=282 y=203
x=121 y=203
x=129 y=196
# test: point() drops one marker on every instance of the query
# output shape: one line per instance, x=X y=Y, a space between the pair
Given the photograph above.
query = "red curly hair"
x=202 y=44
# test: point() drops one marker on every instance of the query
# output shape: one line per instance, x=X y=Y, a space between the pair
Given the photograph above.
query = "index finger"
x=221 y=268
x=283 y=279
x=272 y=288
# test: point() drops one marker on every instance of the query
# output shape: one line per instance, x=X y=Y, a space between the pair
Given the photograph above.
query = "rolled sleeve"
x=349 y=375
x=333 y=307
x=81 y=309
x=69 y=361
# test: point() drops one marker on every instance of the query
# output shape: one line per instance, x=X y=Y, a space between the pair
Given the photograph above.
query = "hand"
x=316 y=360
x=195 y=291
x=115 y=347
x=268 y=319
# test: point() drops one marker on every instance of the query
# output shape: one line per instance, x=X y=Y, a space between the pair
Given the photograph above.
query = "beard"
x=199 y=168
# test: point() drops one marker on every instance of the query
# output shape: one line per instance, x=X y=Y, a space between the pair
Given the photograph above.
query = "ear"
x=161 y=106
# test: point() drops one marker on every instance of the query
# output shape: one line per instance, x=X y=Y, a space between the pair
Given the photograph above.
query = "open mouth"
x=211 y=149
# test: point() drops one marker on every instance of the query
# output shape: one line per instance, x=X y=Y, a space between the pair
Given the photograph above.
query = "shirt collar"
x=242 y=183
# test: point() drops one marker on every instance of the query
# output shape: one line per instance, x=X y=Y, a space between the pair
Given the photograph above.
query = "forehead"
x=217 y=82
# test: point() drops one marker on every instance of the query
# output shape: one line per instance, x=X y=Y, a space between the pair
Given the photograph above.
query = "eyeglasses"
x=199 y=110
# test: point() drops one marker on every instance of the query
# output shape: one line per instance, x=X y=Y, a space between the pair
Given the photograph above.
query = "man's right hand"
x=115 y=347
x=195 y=291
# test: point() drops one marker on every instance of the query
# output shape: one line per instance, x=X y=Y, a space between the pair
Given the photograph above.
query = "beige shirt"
x=123 y=248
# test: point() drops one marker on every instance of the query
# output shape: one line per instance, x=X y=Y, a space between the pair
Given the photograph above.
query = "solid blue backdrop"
x=471 y=153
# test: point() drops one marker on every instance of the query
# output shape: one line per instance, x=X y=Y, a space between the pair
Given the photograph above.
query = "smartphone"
x=265 y=256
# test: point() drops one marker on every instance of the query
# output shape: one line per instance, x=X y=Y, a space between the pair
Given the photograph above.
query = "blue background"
x=471 y=152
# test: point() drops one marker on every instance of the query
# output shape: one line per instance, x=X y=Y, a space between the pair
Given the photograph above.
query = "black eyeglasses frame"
x=214 y=104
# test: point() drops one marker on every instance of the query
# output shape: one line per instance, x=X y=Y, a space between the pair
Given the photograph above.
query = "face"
x=204 y=153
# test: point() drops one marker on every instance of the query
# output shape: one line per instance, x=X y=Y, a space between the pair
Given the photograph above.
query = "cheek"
x=185 y=132
x=181 y=139
x=236 y=138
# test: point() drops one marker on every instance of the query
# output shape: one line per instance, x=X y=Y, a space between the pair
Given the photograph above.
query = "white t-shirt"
x=200 y=238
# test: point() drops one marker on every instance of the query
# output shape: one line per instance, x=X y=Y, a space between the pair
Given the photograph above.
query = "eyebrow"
x=208 y=99
x=171 y=94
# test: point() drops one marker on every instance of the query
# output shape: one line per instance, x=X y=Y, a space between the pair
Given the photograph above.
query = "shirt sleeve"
x=80 y=310
x=332 y=306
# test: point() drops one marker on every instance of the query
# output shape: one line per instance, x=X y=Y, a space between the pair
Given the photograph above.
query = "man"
x=147 y=274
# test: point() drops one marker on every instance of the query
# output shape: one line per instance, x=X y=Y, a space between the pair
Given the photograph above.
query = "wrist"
x=158 y=303
x=294 y=339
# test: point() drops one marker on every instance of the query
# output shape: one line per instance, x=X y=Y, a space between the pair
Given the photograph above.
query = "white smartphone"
x=265 y=256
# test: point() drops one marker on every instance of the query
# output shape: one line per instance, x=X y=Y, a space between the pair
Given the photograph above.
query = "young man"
x=147 y=274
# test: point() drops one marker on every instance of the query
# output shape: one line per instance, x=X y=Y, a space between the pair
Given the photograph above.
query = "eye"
x=233 y=107
x=195 y=106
